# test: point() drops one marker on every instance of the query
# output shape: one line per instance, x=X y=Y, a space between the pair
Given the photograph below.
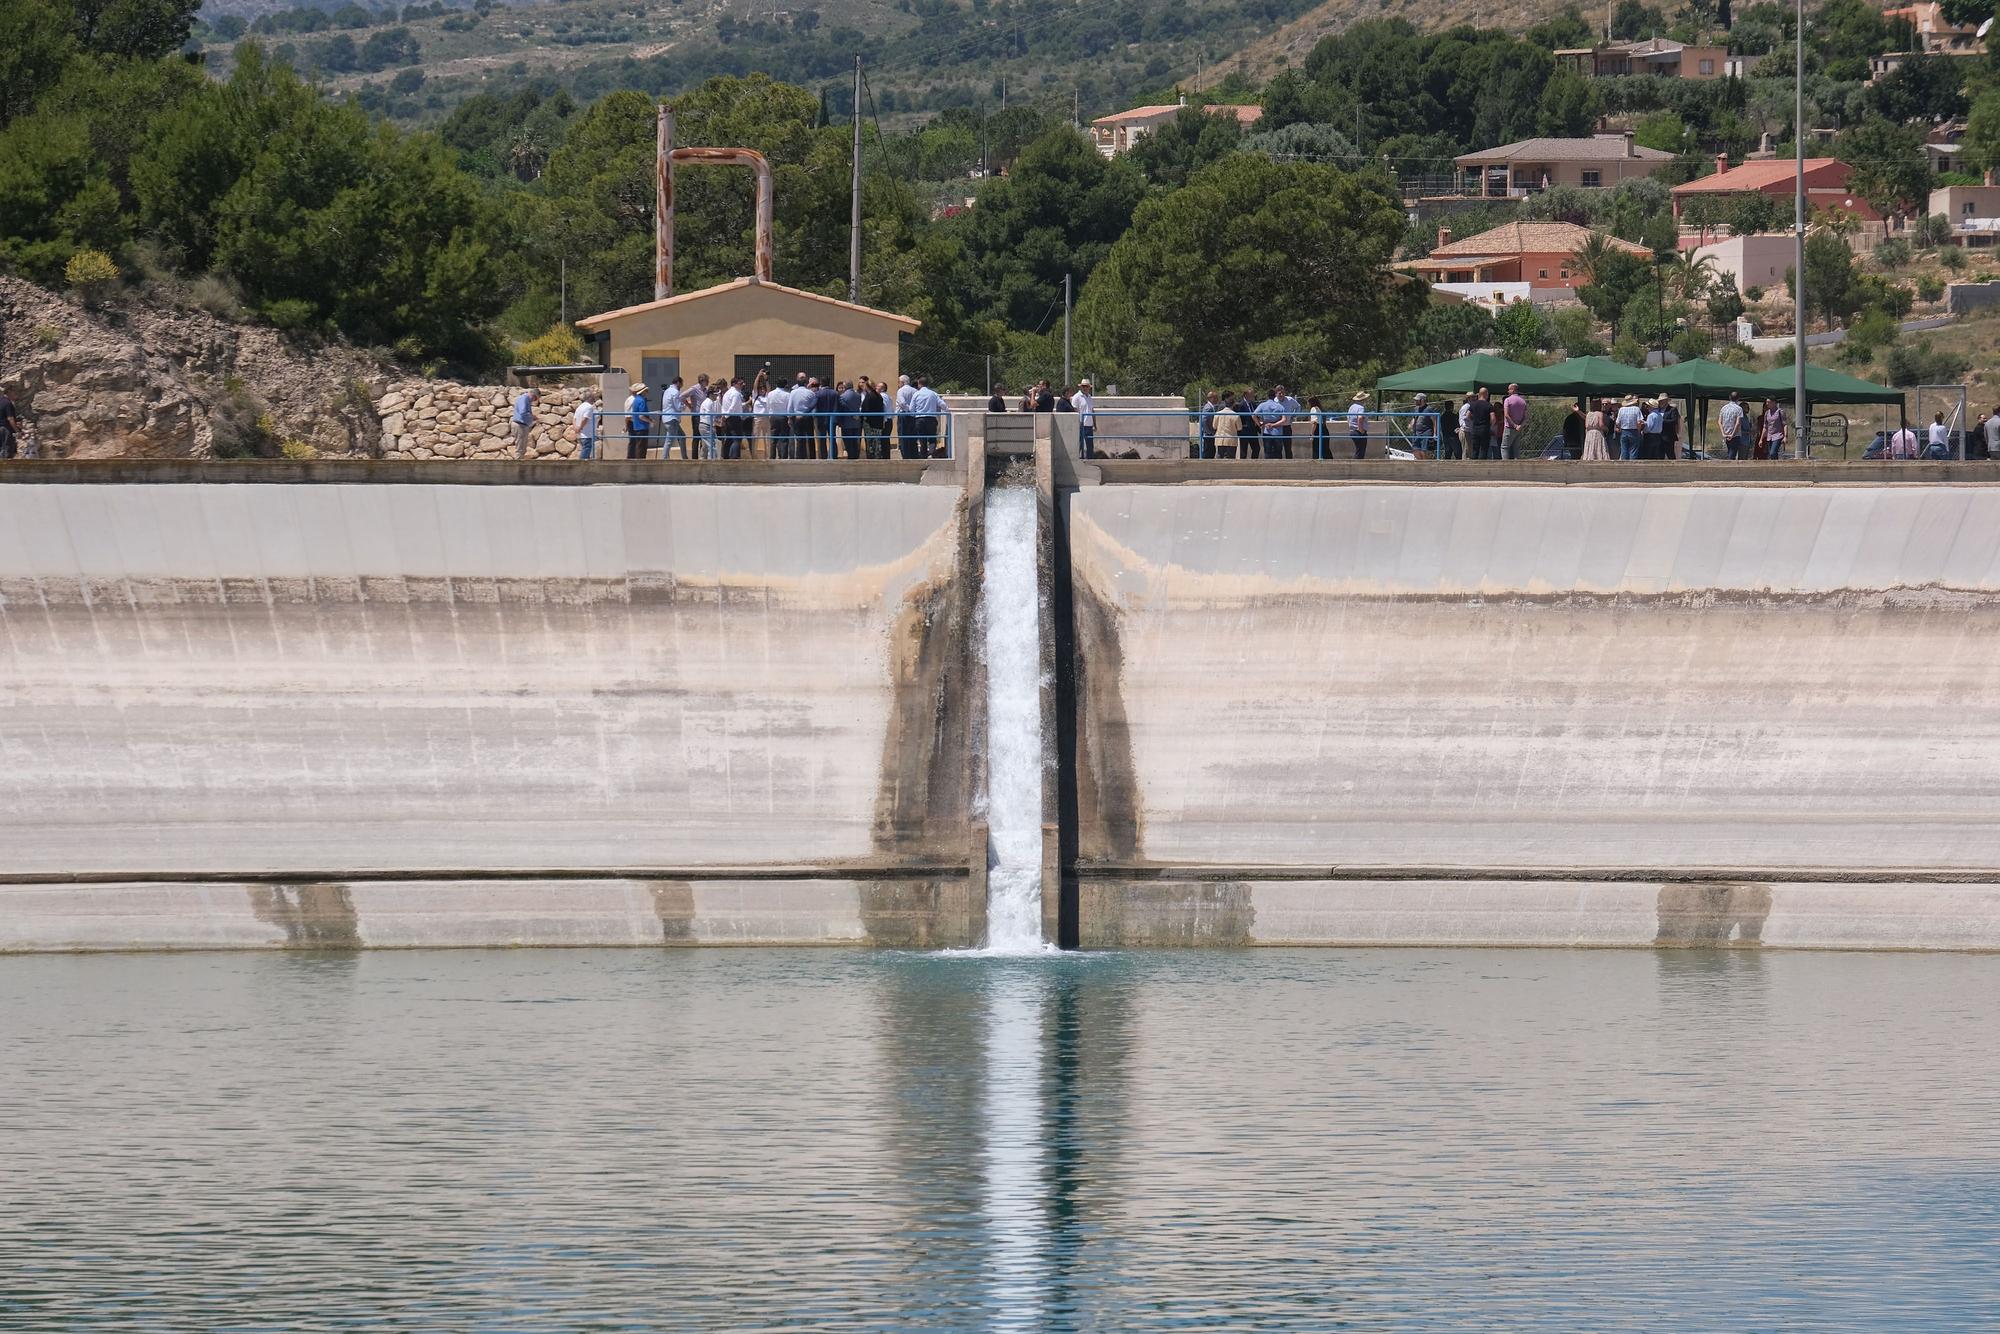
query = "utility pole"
x=562 y=290
x=1076 y=104
x=1066 y=291
x=1800 y=417
x=854 y=219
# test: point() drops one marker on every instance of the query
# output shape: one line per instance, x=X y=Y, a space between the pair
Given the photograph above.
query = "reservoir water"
x=563 y=1140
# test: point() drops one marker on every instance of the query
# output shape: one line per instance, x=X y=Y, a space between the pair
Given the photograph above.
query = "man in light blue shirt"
x=672 y=407
x=524 y=420
x=1630 y=419
x=638 y=414
x=925 y=409
x=1292 y=414
x=1274 y=427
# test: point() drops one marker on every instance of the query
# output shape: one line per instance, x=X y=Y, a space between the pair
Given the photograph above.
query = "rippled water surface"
x=637 y=1140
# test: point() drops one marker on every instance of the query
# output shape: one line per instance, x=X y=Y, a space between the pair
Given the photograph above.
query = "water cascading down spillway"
x=1010 y=612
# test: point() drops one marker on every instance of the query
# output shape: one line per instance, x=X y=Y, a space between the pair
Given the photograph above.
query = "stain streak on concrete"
x=1107 y=780
x=313 y=916
x=1713 y=914
x=1130 y=914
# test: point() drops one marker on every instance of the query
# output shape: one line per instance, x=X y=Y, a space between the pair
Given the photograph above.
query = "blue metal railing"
x=818 y=435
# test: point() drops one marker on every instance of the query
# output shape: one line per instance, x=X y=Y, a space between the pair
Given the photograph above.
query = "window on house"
x=1708 y=67
x=1542 y=273
x=1593 y=178
x=1565 y=273
x=1968 y=213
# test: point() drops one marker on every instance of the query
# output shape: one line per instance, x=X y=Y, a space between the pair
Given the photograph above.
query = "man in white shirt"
x=904 y=393
x=732 y=420
x=586 y=425
x=1086 y=419
x=1992 y=430
x=711 y=426
x=925 y=409
x=695 y=400
x=1735 y=440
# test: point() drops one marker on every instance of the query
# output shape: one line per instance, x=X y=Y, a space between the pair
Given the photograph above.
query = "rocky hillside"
x=138 y=378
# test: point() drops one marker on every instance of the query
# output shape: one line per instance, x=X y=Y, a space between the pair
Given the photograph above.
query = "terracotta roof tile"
x=1519 y=238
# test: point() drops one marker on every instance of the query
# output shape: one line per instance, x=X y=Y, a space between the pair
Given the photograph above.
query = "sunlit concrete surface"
x=269 y=679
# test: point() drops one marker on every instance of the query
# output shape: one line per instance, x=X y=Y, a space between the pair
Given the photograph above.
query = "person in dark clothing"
x=1250 y=443
x=1670 y=430
x=1479 y=424
x=1045 y=397
x=10 y=427
x=874 y=419
x=826 y=403
x=1449 y=446
x=850 y=420
x=1573 y=431
x=996 y=403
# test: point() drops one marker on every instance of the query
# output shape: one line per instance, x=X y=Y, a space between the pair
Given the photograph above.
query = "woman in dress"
x=760 y=408
x=1594 y=450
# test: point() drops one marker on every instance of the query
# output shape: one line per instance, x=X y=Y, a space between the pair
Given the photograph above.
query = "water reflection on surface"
x=573 y=1139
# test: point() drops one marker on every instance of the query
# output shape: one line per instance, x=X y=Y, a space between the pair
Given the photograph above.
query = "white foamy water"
x=1010 y=615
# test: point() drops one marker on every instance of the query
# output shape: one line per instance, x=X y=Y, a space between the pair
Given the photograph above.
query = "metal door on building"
x=659 y=372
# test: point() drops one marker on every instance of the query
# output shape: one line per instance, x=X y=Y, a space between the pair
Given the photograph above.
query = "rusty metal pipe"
x=663 y=204
x=732 y=157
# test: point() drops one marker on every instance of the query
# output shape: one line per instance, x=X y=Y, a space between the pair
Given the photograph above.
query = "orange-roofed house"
x=1826 y=185
x=1117 y=133
x=1531 y=259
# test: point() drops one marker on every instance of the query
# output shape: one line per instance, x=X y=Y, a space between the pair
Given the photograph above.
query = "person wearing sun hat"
x=1357 y=422
x=638 y=421
x=1630 y=421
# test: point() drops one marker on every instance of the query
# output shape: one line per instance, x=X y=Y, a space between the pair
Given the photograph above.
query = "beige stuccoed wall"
x=1496 y=678
x=333 y=679
x=709 y=334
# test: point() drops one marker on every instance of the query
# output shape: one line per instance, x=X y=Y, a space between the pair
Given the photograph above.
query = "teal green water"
x=597 y=1140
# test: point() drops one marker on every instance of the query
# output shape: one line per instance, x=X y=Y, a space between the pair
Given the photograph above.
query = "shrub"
x=1893 y=253
x=1930 y=287
x=90 y=273
x=1871 y=331
x=1691 y=343
x=1952 y=258
x=1923 y=363
x=1753 y=295
x=297 y=449
x=292 y=314
x=559 y=345
x=48 y=336
x=217 y=295
x=1725 y=308
x=240 y=427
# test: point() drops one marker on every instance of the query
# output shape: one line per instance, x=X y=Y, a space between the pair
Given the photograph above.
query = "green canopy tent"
x=1463 y=374
x=1596 y=377
x=1702 y=378
x=1824 y=386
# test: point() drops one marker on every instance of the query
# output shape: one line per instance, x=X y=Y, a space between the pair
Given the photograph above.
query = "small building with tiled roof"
x=1118 y=132
x=1531 y=165
x=743 y=327
x=1826 y=185
x=1658 y=56
x=1540 y=255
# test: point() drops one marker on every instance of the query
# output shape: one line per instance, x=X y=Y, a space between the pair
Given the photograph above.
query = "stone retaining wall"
x=438 y=419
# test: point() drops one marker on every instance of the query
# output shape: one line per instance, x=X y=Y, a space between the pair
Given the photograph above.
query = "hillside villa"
x=1936 y=34
x=1117 y=133
x=1826 y=185
x=1513 y=170
x=1514 y=260
x=1655 y=55
x=1761 y=259
x=1974 y=211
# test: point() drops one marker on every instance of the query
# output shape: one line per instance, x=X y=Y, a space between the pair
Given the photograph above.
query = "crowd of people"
x=740 y=419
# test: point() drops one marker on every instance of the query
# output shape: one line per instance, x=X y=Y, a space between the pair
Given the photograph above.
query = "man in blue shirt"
x=638 y=423
x=925 y=409
x=1292 y=413
x=1210 y=406
x=1274 y=426
x=524 y=420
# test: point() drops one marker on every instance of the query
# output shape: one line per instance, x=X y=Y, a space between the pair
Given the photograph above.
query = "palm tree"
x=1589 y=257
x=1690 y=278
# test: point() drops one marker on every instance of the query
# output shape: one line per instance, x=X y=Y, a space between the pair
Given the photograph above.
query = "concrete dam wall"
x=1291 y=704
x=1498 y=714
x=409 y=712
